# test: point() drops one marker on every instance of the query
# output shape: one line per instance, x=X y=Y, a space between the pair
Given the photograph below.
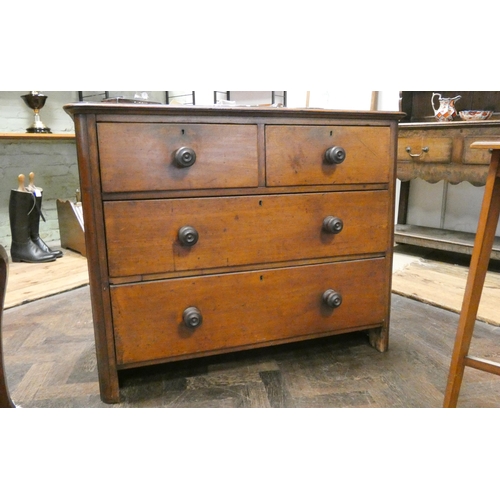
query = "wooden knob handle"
x=188 y=236
x=185 y=157
x=192 y=317
x=332 y=299
x=335 y=155
x=333 y=225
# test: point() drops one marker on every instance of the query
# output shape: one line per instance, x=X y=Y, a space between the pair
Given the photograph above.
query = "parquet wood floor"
x=50 y=362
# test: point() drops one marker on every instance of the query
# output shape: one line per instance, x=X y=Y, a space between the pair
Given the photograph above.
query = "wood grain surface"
x=142 y=236
x=443 y=284
x=226 y=156
x=29 y=282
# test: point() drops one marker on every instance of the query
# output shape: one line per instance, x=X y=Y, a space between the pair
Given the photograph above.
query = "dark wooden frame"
x=5 y=400
x=192 y=94
x=102 y=95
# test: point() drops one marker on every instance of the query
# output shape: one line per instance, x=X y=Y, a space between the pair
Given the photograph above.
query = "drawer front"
x=244 y=309
x=297 y=155
x=143 y=236
x=142 y=156
x=477 y=156
x=439 y=149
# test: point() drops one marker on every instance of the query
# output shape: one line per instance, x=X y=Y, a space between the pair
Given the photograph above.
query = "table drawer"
x=297 y=155
x=143 y=236
x=477 y=156
x=244 y=309
x=426 y=149
x=142 y=156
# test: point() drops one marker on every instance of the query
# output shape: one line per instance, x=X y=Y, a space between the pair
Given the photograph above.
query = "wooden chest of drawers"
x=210 y=230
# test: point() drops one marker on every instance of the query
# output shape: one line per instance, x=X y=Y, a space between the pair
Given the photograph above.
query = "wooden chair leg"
x=483 y=245
x=5 y=401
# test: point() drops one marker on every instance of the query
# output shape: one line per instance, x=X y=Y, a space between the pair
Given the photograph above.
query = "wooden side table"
x=441 y=152
x=485 y=236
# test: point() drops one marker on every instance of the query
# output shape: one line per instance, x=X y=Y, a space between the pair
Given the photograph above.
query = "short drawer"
x=425 y=149
x=298 y=155
x=245 y=309
x=152 y=236
x=155 y=157
x=477 y=156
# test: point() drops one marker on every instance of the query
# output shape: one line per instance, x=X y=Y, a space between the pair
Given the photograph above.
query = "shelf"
x=418 y=105
x=440 y=239
x=25 y=136
x=433 y=124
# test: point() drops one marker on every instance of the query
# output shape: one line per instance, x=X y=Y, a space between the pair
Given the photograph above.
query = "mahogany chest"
x=210 y=230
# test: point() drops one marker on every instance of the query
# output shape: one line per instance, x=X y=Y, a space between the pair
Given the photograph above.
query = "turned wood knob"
x=192 y=317
x=188 y=236
x=333 y=225
x=185 y=157
x=332 y=299
x=335 y=155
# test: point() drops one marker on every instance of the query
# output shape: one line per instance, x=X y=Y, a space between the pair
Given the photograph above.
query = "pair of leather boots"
x=25 y=210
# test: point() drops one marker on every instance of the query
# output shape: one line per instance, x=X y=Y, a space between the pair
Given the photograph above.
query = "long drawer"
x=155 y=157
x=297 y=155
x=146 y=237
x=244 y=309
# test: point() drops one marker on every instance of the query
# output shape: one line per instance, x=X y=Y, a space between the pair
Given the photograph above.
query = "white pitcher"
x=446 y=110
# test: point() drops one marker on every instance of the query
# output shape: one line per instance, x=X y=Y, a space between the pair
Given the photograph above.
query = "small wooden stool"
x=481 y=253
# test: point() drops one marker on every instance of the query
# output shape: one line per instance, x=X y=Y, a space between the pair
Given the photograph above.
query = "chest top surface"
x=109 y=110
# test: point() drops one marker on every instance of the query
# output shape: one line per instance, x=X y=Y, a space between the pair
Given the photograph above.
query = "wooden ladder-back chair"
x=5 y=400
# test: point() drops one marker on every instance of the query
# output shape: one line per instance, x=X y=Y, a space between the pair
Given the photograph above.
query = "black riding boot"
x=22 y=248
x=35 y=215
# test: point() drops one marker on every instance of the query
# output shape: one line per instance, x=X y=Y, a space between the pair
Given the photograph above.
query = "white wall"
x=53 y=162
